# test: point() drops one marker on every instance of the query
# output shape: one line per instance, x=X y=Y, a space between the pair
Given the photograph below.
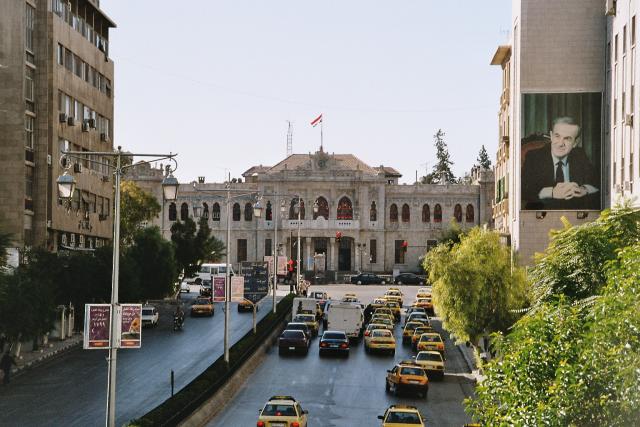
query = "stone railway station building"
x=364 y=214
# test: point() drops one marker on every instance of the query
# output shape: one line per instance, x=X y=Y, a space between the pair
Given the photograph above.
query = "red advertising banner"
x=218 y=289
x=97 y=326
x=130 y=325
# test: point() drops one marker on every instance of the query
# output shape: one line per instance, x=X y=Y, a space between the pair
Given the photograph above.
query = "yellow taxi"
x=380 y=340
x=383 y=310
x=424 y=290
x=395 y=307
x=423 y=294
x=402 y=416
x=393 y=295
x=432 y=362
x=407 y=332
x=384 y=320
x=310 y=320
x=378 y=303
x=371 y=326
x=431 y=341
x=407 y=376
x=202 y=306
x=417 y=333
x=426 y=303
x=282 y=411
x=350 y=297
x=384 y=315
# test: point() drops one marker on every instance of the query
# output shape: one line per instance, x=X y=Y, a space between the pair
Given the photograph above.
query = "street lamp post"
x=275 y=248
x=66 y=188
x=299 y=209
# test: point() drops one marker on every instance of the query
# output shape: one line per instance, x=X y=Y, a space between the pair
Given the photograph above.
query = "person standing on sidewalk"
x=5 y=365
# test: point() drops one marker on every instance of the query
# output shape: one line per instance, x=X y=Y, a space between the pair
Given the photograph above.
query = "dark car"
x=299 y=326
x=293 y=341
x=367 y=279
x=408 y=279
x=335 y=342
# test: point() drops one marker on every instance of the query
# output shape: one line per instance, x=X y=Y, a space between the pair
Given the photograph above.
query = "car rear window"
x=412 y=371
x=430 y=338
x=147 y=311
x=334 y=336
x=430 y=357
x=403 y=418
x=381 y=333
x=279 y=410
x=292 y=334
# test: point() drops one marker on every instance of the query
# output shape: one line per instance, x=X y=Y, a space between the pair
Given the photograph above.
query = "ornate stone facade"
x=366 y=205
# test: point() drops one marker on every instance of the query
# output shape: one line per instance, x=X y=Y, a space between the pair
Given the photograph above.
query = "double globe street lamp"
x=66 y=189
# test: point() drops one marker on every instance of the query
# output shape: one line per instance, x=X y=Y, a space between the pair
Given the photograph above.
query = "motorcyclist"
x=179 y=315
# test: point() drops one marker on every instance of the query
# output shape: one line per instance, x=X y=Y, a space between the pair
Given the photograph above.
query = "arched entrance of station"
x=344 y=254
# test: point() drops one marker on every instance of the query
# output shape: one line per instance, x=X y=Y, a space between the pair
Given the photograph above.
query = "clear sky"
x=217 y=81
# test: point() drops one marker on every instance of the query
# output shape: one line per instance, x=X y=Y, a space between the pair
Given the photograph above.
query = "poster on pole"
x=130 y=326
x=269 y=260
x=282 y=266
x=237 y=288
x=219 y=289
x=97 y=326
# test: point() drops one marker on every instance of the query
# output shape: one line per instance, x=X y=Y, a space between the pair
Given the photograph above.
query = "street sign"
x=219 y=289
x=97 y=326
x=256 y=283
x=237 y=288
x=130 y=326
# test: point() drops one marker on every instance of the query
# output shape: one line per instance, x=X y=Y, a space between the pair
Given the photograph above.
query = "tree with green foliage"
x=155 y=258
x=451 y=235
x=483 y=159
x=475 y=287
x=441 y=173
x=5 y=243
x=574 y=359
x=136 y=207
x=193 y=248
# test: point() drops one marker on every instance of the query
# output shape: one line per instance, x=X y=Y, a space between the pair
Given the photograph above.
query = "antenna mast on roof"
x=289 y=139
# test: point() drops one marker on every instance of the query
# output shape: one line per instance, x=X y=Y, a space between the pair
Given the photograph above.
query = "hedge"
x=178 y=407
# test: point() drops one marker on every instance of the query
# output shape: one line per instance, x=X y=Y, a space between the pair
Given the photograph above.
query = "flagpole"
x=321 y=145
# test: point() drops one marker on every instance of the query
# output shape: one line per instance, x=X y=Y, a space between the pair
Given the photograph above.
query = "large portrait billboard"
x=561 y=151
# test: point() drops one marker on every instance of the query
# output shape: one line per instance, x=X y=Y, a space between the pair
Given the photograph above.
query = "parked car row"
x=401 y=279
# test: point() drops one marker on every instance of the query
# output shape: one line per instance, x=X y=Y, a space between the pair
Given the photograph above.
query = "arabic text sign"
x=237 y=288
x=218 y=289
x=130 y=325
x=97 y=326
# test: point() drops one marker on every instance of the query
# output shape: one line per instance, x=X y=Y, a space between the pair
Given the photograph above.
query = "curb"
x=467 y=360
x=46 y=357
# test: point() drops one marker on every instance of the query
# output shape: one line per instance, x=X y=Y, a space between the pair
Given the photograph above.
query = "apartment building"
x=56 y=94
x=552 y=160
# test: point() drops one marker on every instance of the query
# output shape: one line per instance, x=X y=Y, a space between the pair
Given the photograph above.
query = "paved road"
x=71 y=390
x=349 y=391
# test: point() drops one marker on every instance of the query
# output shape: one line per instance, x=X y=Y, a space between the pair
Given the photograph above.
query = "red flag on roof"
x=316 y=120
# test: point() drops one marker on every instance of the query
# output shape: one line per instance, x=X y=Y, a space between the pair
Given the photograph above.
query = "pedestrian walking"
x=5 y=365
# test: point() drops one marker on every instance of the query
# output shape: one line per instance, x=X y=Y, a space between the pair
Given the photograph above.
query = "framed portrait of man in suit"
x=561 y=151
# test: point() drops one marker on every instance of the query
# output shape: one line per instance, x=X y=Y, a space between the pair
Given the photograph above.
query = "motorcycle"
x=178 y=321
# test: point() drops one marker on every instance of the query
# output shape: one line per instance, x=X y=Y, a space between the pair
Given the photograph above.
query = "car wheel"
x=384 y=282
x=399 y=282
x=393 y=352
x=359 y=282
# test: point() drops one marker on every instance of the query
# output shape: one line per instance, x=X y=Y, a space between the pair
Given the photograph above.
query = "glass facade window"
x=242 y=250
x=267 y=247
x=406 y=213
x=28 y=190
x=29 y=127
x=399 y=252
x=236 y=212
x=215 y=212
x=30 y=14
x=373 y=251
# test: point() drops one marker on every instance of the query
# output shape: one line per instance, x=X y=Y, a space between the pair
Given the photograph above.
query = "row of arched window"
x=344 y=211
x=426 y=213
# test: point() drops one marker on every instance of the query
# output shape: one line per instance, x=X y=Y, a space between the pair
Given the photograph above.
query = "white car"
x=185 y=287
x=150 y=316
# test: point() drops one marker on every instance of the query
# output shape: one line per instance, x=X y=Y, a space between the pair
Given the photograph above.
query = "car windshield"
x=201 y=301
x=334 y=336
x=417 y=316
x=373 y=326
x=297 y=326
x=412 y=326
x=147 y=311
x=403 y=418
x=383 y=320
x=412 y=371
x=292 y=334
x=305 y=318
x=429 y=357
x=393 y=304
x=281 y=410
x=421 y=330
x=381 y=333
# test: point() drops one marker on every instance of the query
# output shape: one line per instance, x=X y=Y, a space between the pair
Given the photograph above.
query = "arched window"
x=248 y=212
x=437 y=213
x=268 y=215
x=323 y=208
x=215 y=212
x=184 y=212
x=426 y=213
x=406 y=213
x=373 y=212
x=457 y=213
x=292 y=209
x=173 y=212
x=205 y=211
x=236 y=212
x=393 y=213
x=469 y=214
x=345 y=210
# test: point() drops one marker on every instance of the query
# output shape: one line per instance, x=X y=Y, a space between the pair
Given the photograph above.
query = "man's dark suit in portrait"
x=559 y=175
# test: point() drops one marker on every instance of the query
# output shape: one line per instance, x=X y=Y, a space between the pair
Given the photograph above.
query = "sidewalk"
x=30 y=359
x=470 y=360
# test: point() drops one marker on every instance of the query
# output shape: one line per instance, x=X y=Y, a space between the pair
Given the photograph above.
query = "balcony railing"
x=321 y=224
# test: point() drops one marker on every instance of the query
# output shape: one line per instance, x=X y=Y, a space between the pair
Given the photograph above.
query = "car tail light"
x=260 y=424
x=440 y=347
x=295 y=424
x=367 y=333
x=343 y=345
x=323 y=344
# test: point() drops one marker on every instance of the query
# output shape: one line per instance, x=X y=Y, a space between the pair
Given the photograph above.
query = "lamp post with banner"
x=66 y=189
x=257 y=213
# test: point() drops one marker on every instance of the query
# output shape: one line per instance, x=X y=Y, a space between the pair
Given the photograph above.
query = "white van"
x=304 y=304
x=216 y=270
x=345 y=316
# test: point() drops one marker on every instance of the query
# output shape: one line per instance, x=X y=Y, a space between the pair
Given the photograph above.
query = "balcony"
x=321 y=224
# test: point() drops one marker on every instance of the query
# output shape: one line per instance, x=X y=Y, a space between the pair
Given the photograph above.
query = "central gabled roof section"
x=321 y=161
